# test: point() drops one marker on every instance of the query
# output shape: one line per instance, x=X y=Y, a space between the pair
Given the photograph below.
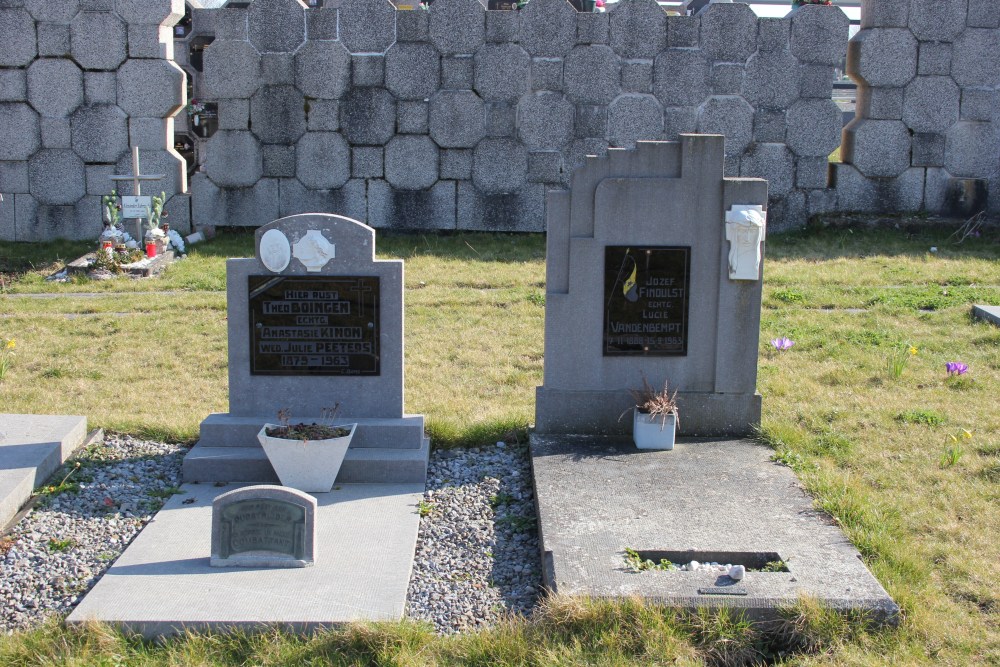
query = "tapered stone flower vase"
x=306 y=465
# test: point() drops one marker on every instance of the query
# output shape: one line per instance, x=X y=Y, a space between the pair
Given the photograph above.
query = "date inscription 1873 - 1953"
x=646 y=300
x=314 y=326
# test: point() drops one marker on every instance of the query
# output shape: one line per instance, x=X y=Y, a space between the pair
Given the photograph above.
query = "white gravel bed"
x=477 y=556
x=67 y=541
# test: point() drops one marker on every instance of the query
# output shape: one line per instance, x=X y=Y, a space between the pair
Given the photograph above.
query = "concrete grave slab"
x=988 y=313
x=707 y=500
x=31 y=448
x=164 y=583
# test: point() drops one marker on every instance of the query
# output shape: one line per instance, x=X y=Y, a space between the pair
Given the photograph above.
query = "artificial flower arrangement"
x=800 y=3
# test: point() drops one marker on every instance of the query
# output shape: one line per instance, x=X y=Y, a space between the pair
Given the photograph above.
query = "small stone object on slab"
x=737 y=572
x=263 y=526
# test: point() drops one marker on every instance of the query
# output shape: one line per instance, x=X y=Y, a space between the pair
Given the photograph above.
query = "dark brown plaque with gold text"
x=646 y=300
x=314 y=326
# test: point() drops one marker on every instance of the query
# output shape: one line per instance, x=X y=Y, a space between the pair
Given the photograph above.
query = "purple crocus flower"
x=956 y=368
x=782 y=344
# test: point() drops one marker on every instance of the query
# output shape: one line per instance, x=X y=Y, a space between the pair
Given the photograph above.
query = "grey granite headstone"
x=263 y=526
x=680 y=316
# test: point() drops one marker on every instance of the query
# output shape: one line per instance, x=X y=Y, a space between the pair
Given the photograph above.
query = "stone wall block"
x=457 y=73
x=501 y=119
x=547 y=28
x=53 y=39
x=637 y=76
x=40 y=222
x=278 y=25
x=774 y=34
x=322 y=70
x=545 y=121
x=55 y=87
x=501 y=26
x=389 y=207
x=55 y=132
x=980 y=104
x=99 y=40
x=234 y=114
x=56 y=11
x=885 y=14
x=100 y=133
x=638 y=29
x=773 y=79
x=233 y=159
x=731 y=116
x=323 y=115
x=368 y=116
x=937 y=20
x=813 y=127
x=57 y=176
x=683 y=31
x=773 y=162
x=277 y=114
x=500 y=70
x=99 y=178
x=882 y=57
x=547 y=74
x=457 y=119
x=232 y=70
x=679 y=120
x=367 y=162
x=411 y=162
x=934 y=59
x=13 y=85
x=591 y=121
x=166 y=162
x=520 y=211
x=148 y=134
x=880 y=103
x=277 y=69
x=456 y=163
x=18 y=43
x=984 y=14
x=592 y=28
x=727 y=78
x=812 y=172
x=412 y=117
x=348 y=200
x=231 y=23
x=278 y=161
x=729 y=32
x=545 y=167
x=769 y=125
x=457 y=26
x=878 y=148
x=13 y=177
x=412 y=70
x=8 y=220
x=413 y=27
x=368 y=70
x=253 y=206
x=321 y=23
x=633 y=117
x=681 y=77
x=151 y=88
x=20 y=133
x=971 y=149
x=592 y=75
x=322 y=160
x=819 y=34
x=367 y=26
x=931 y=104
x=178 y=213
x=155 y=12
x=976 y=58
x=499 y=165
x=927 y=150
x=816 y=81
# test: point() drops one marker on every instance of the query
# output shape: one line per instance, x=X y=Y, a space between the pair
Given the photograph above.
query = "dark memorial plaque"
x=314 y=326
x=646 y=300
x=273 y=526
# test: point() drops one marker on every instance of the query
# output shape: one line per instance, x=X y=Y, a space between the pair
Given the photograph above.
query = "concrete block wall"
x=461 y=118
x=80 y=82
x=927 y=131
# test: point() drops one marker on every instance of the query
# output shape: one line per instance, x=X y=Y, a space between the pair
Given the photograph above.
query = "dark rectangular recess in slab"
x=751 y=560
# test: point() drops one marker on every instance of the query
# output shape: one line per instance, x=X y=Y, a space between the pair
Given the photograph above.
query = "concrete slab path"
x=366 y=536
x=707 y=500
x=32 y=447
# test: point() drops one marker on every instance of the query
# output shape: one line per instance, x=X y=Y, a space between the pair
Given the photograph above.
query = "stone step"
x=362 y=465
x=226 y=430
x=32 y=447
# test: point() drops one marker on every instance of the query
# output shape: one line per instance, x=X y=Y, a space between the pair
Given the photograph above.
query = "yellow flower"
x=913 y=350
x=10 y=344
x=967 y=434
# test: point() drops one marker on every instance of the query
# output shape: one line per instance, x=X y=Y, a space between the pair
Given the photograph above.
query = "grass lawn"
x=906 y=461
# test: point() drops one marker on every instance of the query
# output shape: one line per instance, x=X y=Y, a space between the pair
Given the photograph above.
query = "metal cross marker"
x=136 y=177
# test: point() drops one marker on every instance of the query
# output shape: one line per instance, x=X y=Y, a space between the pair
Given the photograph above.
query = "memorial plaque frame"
x=646 y=300
x=332 y=325
x=291 y=527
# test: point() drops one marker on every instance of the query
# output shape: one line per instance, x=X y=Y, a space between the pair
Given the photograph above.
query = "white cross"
x=136 y=177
